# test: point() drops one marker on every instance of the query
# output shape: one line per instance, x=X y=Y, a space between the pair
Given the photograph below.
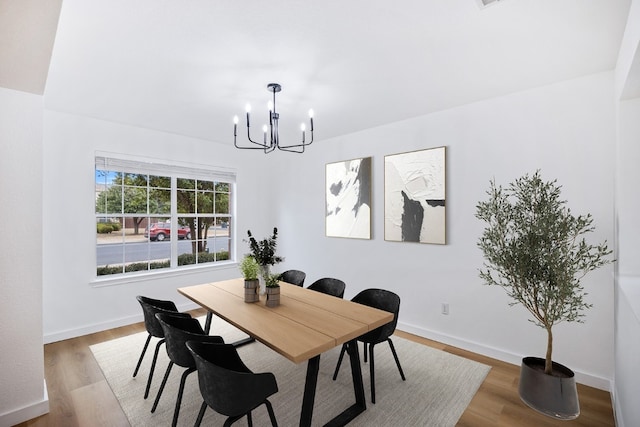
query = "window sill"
x=123 y=279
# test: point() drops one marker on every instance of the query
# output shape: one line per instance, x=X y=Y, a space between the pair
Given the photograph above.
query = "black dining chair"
x=150 y=307
x=295 y=277
x=387 y=301
x=329 y=286
x=228 y=386
x=177 y=331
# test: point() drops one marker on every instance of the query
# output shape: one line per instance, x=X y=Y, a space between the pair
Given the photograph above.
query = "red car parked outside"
x=162 y=230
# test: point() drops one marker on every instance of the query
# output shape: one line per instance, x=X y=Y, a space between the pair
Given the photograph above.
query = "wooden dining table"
x=305 y=325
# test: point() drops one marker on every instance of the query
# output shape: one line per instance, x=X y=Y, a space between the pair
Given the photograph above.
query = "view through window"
x=142 y=208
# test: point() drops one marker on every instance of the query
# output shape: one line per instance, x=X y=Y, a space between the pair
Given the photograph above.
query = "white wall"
x=627 y=331
x=627 y=375
x=72 y=304
x=567 y=130
x=627 y=206
x=22 y=394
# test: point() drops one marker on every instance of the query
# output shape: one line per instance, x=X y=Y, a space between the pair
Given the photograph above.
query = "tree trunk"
x=548 y=366
x=136 y=224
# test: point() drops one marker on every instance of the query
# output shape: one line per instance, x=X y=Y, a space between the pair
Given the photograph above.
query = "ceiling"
x=187 y=67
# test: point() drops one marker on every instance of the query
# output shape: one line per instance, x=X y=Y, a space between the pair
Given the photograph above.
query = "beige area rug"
x=438 y=388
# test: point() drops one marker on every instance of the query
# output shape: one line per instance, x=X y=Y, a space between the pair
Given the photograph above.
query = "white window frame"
x=173 y=170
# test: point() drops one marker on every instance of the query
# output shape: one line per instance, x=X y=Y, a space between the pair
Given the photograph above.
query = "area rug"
x=438 y=386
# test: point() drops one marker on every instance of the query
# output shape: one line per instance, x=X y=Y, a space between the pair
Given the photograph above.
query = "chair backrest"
x=295 y=277
x=226 y=384
x=177 y=331
x=152 y=306
x=329 y=286
x=384 y=300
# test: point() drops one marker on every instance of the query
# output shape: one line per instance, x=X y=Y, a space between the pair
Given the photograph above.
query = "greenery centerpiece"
x=272 y=290
x=264 y=252
x=534 y=248
x=250 y=269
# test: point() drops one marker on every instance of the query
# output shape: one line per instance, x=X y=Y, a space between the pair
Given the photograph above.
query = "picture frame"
x=348 y=198
x=415 y=196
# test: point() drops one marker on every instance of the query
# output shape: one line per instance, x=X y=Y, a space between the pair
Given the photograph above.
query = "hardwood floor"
x=497 y=402
x=80 y=396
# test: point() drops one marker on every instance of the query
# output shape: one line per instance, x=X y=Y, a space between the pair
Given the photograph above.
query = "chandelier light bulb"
x=235 y=120
x=303 y=127
x=311 y=113
x=270 y=106
x=248 y=108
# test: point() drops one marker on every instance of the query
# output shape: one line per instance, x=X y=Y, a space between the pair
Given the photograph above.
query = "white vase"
x=265 y=270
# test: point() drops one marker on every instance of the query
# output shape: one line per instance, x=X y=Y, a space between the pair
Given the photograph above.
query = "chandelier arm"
x=259 y=145
x=289 y=150
x=275 y=139
x=303 y=145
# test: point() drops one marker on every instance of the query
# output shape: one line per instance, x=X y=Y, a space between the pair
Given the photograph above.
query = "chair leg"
x=395 y=356
x=364 y=351
x=164 y=382
x=232 y=420
x=153 y=367
x=249 y=419
x=207 y=323
x=272 y=414
x=203 y=408
x=144 y=350
x=372 y=374
x=335 y=373
x=183 y=379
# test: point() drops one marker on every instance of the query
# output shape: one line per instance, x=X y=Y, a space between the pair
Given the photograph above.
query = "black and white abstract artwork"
x=414 y=196
x=348 y=199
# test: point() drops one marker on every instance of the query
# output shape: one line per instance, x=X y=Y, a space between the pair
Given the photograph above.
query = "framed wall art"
x=348 y=199
x=414 y=196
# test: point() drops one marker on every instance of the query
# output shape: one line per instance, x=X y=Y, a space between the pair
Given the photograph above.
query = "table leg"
x=207 y=328
x=313 y=366
x=311 y=381
x=358 y=389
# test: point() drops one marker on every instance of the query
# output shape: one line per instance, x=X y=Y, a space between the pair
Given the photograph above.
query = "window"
x=151 y=216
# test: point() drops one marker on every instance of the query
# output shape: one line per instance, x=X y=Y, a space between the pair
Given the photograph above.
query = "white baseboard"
x=496 y=353
x=99 y=327
x=26 y=413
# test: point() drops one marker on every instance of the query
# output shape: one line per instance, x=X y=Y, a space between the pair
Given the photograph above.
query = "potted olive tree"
x=250 y=268
x=534 y=248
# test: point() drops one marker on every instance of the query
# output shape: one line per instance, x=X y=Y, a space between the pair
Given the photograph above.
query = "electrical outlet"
x=445 y=308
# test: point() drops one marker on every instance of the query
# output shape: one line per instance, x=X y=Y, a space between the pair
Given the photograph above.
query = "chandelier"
x=273 y=141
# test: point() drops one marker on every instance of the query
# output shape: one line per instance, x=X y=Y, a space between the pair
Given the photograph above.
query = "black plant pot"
x=552 y=395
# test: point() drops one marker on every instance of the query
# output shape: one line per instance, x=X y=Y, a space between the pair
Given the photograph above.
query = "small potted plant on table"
x=250 y=268
x=272 y=290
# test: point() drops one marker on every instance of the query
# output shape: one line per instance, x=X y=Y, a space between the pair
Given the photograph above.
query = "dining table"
x=304 y=325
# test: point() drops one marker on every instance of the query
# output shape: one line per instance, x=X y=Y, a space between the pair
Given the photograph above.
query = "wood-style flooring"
x=80 y=396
